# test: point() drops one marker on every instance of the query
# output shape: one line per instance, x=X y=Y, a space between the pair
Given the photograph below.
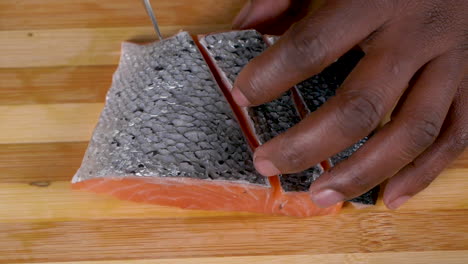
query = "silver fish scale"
x=166 y=117
x=316 y=91
x=319 y=88
x=300 y=182
x=345 y=154
x=231 y=52
x=274 y=118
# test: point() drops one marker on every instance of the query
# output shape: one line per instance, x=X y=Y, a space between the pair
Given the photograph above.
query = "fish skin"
x=300 y=182
x=368 y=198
x=104 y=159
x=316 y=90
x=231 y=52
x=345 y=154
x=161 y=111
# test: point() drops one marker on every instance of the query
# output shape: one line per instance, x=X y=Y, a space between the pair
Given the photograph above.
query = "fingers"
x=417 y=175
x=307 y=48
x=412 y=131
x=368 y=93
x=258 y=11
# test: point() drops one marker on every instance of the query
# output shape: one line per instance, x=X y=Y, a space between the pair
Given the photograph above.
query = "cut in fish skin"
x=345 y=154
x=166 y=128
x=230 y=52
x=167 y=136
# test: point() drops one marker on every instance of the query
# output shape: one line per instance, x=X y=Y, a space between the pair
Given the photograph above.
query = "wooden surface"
x=56 y=62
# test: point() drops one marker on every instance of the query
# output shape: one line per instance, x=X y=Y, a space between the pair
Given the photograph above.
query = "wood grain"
x=44 y=162
x=461 y=161
x=54 y=14
x=112 y=239
x=446 y=257
x=43 y=201
x=48 y=122
x=78 y=46
x=46 y=85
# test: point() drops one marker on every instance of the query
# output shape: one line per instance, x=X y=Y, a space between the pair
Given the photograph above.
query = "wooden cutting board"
x=56 y=62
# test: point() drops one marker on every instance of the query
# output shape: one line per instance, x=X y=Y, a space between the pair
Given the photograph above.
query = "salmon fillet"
x=168 y=136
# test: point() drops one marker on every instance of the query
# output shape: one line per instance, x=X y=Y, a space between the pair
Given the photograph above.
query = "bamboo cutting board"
x=56 y=62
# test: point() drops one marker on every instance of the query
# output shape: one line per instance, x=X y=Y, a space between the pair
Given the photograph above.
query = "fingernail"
x=395 y=204
x=327 y=198
x=239 y=97
x=239 y=20
x=265 y=167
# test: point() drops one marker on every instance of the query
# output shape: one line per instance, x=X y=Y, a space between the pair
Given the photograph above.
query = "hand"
x=416 y=58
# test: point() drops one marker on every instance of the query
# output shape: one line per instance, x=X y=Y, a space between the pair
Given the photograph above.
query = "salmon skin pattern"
x=230 y=52
x=166 y=116
x=168 y=136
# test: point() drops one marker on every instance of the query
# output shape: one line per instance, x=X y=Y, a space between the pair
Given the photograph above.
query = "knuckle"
x=359 y=112
x=422 y=131
x=308 y=49
x=426 y=179
x=459 y=140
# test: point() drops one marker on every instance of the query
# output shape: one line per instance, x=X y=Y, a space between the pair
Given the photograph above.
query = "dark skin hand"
x=416 y=59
